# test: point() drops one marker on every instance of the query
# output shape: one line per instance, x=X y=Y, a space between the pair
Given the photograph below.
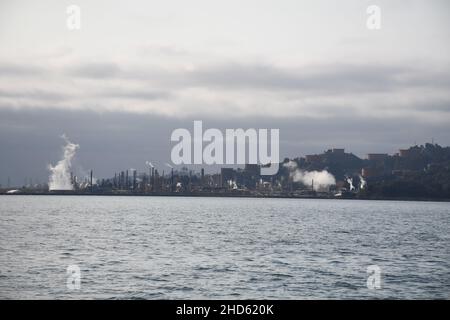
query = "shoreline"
x=218 y=195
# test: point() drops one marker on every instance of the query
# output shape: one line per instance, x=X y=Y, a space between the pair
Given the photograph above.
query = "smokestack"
x=91 y=181
x=134 y=179
x=153 y=179
x=150 y=182
x=190 y=180
x=151 y=173
x=126 y=181
x=171 y=182
x=163 y=181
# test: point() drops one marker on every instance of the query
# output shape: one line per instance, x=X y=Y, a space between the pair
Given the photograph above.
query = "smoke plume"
x=322 y=179
x=232 y=184
x=148 y=163
x=363 y=183
x=60 y=173
x=350 y=182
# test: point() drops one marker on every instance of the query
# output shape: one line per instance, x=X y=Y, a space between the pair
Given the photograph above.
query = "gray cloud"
x=34 y=94
x=321 y=90
x=167 y=50
x=8 y=69
x=329 y=78
x=136 y=94
x=96 y=70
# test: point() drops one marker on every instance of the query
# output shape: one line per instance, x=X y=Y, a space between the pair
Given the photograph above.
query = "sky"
x=137 y=70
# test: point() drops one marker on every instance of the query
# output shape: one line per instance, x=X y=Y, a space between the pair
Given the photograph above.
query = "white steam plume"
x=60 y=174
x=232 y=184
x=363 y=183
x=322 y=179
x=350 y=182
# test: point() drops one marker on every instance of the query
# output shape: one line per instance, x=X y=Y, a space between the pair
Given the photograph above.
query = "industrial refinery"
x=419 y=172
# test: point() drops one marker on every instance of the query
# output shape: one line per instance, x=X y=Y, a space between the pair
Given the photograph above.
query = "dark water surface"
x=222 y=248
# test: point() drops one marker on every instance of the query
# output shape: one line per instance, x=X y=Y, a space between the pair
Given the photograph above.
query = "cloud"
x=233 y=90
x=95 y=70
x=135 y=94
x=8 y=69
x=170 y=50
x=33 y=94
x=329 y=78
x=336 y=79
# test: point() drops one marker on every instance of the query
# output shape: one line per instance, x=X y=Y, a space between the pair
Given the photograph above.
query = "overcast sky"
x=136 y=70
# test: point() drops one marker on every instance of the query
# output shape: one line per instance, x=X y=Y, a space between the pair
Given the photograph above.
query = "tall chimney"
x=163 y=180
x=171 y=182
x=149 y=178
x=153 y=179
x=91 y=182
